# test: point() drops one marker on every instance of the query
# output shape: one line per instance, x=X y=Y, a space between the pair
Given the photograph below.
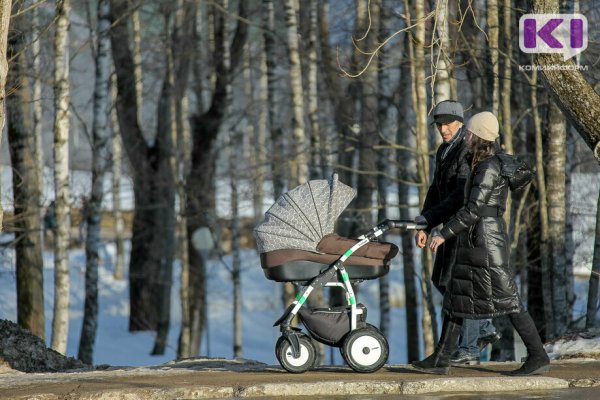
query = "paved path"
x=218 y=378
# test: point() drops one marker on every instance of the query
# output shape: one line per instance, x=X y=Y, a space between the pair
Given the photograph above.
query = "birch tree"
x=493 y=34
x=556 y=160
x=184 y=39
x=592 y=301
x=406 y=173
x=298 y=162
x=25 y=181
x=4 y=23
x=101 y=146
x=60 y=319
x=116 y=170
x=442 y=64
x=419 y=97
x=576 y=98
x=36 y=89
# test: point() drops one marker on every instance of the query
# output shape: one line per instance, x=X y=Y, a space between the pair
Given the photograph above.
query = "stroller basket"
x=330 y=325
x=369 y=262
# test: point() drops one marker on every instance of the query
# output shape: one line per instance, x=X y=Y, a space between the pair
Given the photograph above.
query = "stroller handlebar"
x=388 y=224
x=402 y=224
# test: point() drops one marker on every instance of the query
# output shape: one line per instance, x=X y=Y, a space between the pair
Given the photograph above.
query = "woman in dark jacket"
x=482 y=283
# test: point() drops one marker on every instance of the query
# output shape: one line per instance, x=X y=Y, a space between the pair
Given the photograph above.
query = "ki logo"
x=553 y=33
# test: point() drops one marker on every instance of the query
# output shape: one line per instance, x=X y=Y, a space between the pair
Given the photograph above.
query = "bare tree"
x=152 y=240
x=419 y=99
x=592 y=302
x=555 y=167
x=101 y=146
x=4 y=23
x=116 y=169
x=368 y=135
x=200 y=181
x=298 y=162
x=442 y=78
x=568 y=87
x=60 y=319
x=26 y=186
x=493 y=33
x=542 y=207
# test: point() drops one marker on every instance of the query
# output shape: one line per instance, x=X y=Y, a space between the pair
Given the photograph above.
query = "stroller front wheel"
x=365 y=349
x=296 y=365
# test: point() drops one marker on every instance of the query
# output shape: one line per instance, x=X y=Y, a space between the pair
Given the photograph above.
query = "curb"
x=463 y=385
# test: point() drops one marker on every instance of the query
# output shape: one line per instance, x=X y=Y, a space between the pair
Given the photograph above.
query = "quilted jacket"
x=482 y=283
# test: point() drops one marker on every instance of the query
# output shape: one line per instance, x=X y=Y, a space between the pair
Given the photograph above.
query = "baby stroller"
x=297 y=244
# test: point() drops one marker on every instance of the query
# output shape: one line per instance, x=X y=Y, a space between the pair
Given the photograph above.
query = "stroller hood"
x=302 y=216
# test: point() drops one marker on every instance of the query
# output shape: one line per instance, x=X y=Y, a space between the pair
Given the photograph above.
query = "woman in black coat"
x=482 y=284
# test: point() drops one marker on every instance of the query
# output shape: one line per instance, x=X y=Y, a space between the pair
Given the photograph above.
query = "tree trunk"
x=592 y=301
x=298 y=163
x=419 y=96
x=235 y=250
x=184 y=35
x=543 y=211
x=369 y=134
x=200 y=194
x=36 y=88
x=26 y=178
x=4 y=23
x=100 y=157
x=385 y=135
x=277 y=155
x=152 y=232
x=297 y=160
x=406 y=173
x=342 y=97
x=493 y=30
x=556 y=159
x=167 y=136
x=573 y=94
x=136 y=48
x=60 y=319
x=316 y=163
x=443 y=87
x=116 y=168
x=260 y=142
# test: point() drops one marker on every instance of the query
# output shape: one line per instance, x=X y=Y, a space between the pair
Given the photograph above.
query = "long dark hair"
x=480 y=150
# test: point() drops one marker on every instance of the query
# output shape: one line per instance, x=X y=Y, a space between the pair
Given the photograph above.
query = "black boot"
x=439 y=361
x=537 y=360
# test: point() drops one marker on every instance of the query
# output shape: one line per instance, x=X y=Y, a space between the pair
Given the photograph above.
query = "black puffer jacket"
x=444 y=198
x=482 y=284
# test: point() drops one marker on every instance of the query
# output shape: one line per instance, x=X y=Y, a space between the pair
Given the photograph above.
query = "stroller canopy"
x=301 y=217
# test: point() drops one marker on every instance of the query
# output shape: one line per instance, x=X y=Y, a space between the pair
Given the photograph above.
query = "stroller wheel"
x=365 y=349
x=285 y=355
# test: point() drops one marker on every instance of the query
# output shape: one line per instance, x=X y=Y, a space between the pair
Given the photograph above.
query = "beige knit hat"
x=484 y=125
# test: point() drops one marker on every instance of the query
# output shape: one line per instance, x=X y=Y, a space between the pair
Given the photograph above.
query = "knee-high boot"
x=439 y=361
x=537 y=359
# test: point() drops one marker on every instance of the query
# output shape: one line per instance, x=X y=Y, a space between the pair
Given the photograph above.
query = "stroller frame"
x=294 y=335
